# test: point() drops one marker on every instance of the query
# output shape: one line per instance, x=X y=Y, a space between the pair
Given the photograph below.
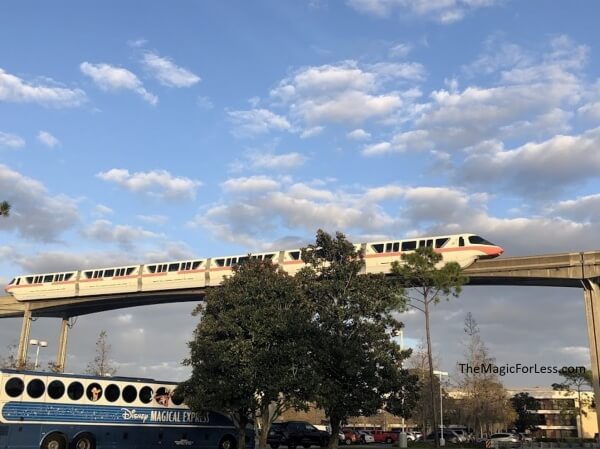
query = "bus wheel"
x=54 y=441
x=84 y=441
x=227 y=442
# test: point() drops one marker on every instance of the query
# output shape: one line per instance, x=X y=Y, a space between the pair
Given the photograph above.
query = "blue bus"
x=66 y=411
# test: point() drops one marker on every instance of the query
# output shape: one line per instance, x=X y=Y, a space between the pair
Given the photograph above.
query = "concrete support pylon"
x=61 y=353
x=24 y=339
x=591 y=296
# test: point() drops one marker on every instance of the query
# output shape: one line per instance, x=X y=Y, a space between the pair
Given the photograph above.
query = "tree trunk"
x=431 y=384
x=335 y=430
x=263 y=426
x=242 y=424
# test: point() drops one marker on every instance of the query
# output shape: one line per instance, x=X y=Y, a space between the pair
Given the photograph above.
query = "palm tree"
x=4 y=209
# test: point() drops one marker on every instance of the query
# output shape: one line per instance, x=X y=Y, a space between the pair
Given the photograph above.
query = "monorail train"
x=60 y=411
x=197 y=273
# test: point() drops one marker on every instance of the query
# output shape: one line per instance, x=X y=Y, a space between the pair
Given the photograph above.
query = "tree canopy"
x=357 y=363
x=250 y=349
x=4 y=208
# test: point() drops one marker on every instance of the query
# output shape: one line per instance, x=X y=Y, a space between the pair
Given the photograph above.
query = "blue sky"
x=146 y=131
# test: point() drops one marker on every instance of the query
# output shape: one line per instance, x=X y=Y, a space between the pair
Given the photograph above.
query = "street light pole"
x=39 y=344
x=442 y=441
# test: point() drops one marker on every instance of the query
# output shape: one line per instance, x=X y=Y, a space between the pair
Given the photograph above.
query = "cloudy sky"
x=135 y=133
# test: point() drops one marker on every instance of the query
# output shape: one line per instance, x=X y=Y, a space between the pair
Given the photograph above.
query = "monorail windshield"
x=60 y=411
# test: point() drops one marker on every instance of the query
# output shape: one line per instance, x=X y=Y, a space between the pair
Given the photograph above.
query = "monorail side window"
x=461 y=241
x=14 y=387
x=388 y=247
x=112 y=393
x=476 y=240
x=378 y=247
x=220 y=262
x=35 y=388
x=421 y=243
x=174 y=267
x=109 y=273
x=441 y=242
x=146 y=394
x=269 y=256
x=242 y=259
x=29 y=279
x=88 y=274
x=56 y=389
x=37 y=280
x=48 y=278
x=75 y=390
x=129 y=394
x=410 y=245
x=187 y=266
x=12 y=282
x=130 y=270
x=228 y=262
x=68 y=276
x=152 y=268
x=430 y=243
x=196 y=264
x=98 y=274
x=396 y=247
x=294 y=255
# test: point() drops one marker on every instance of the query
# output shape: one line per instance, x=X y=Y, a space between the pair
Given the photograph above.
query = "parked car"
x=352 y=436
x=450 y=436
x=366 y=437
x=382 y=436
x=525 y=437
x=505 y=439
x=341 y=437
x=296 y=433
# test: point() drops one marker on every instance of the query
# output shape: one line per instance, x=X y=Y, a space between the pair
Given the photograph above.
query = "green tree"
x=102 y=365
x=4 y=209
x=524 y=404
x=249 y=355
x=578 y=382
x=427 y=283
x=357 y=363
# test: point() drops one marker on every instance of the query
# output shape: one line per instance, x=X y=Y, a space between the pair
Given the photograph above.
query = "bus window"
x=35 y=388
x=75 y=391
x=56 y=389
x=14 y=387
x=94 y=392
x=146 y=394
x=129 y=394
x=112 y=393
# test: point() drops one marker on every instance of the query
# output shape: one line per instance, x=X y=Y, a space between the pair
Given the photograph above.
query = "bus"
x=40 y=410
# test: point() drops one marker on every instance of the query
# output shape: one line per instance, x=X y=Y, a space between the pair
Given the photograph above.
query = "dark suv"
x=296 y=433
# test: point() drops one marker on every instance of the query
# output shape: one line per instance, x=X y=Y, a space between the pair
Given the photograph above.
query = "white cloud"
x=257 y=121
x=400 y=50
x=204 y=103
x=12 y=141
x=101 y=209
x=444 y=11
x=329 y=93
x=358 y=134
x=250 y=184
x=536 y=168
x=14 y=89
x=123 y=235
x=111 y=78
x=311 y=132
x=167 y=73
x=154 y=219
x=36 y=214
x=158 y=183
x=47 y=139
